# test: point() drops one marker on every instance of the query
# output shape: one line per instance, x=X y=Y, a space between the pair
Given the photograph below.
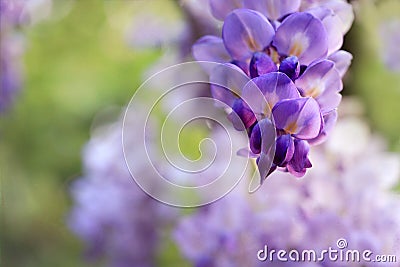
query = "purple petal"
x=255 y=139
x=341 y=8
x=264 y=162
x=262 y=137
x=389 y=39
x=241 y=117
x=300 y=117
x=227 y=81
x=344 y=11
x=291 y=67
x=261 y=64
x=342 y=60
x=268 y=134
x=243 y=65
x=263 y=92
x=328 y=122
x=284 y=150
x=322 y=82
x=332 y=25
x=273 y=9
x=246 y=31
x=302 y=35
x=220 y=9
x=210 y=48
x=299 y=162
x=265 y=166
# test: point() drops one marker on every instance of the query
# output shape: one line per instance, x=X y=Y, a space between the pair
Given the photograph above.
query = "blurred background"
x=78 y=65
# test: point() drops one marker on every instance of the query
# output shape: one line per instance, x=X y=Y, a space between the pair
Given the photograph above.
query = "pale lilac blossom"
x=117 y=221
x=348 y=194
x=390 y=36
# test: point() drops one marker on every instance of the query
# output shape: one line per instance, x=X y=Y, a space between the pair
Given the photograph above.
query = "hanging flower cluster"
x=290 y=51
x=117 y=220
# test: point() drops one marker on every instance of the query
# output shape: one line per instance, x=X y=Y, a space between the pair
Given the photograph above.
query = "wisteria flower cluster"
x=117 y=220
x=338 y=200
x=290 y=51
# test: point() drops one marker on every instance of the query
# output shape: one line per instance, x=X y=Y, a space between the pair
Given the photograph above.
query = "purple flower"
x=15 y=14
x=11 y=49
x=12 y=13
x=339 y=199
x=244 y=32
x=261 y=64
x=172 y=26
x=273 y=9
x=115 y=218
x=302 y=35
x=341 y=8
x=219 y=9
x=321 y=81
x=289 y=51
x=389 y=32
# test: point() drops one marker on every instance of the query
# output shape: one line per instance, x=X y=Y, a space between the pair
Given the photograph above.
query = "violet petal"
x=262 y=136
x=263 y=92
x=299 y=162
x=273 y=9
x=227 y=81
x=210 y=48
x=302 y=35
x=246 y=31
x=291 y=67
x=300 y=117
x=322 y=82
x=241 y=117
x=220 y=9
x=332 y=25
x=261 y=64
x=284 y=150
x=328 y=122
x=342 y=60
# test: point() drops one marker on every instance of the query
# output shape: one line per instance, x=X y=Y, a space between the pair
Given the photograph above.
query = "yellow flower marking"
x=315 y=89
x=314 y=92
x=299 y=44
x=296 y=49
x=292 y=127
x=251 y=43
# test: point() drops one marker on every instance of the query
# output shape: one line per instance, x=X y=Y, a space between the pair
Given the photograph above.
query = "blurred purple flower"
x=171 y=32
x=11 y=50
x=390 y=52
x=290 y=50
x=347 y=195
x=15 y=14
x=115 y=218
